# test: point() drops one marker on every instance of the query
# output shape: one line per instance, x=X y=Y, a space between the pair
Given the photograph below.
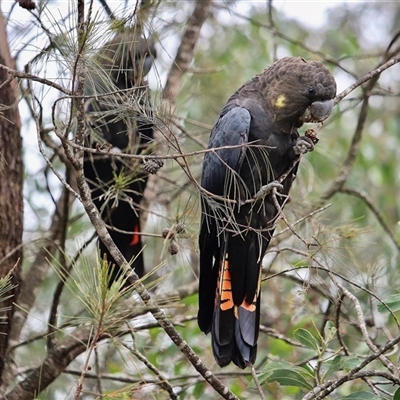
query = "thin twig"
x=281 y=215
x=372 y=79
x=181 y=378
x=330 y=385
x=320 y=267
x=273 y=31
x=35 y=78
x=337 y=325
x=367 y=77
x=363 y=327
x=257 y=382
x=277 y=335
x=107 y=9
x=162 y=380
x=305 y=217
x=367 y=200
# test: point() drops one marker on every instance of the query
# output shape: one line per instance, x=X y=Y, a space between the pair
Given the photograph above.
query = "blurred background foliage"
x=345 y=241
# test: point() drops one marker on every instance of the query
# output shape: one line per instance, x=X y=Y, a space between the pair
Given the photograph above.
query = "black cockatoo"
x=260 y=121
x=119 y=118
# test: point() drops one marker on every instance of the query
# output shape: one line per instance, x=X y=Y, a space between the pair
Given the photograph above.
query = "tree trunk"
x=11 y=184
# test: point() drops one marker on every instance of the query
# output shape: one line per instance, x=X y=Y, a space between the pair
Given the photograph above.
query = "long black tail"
x=121 y=214
x=229 y=294
x=236 y=316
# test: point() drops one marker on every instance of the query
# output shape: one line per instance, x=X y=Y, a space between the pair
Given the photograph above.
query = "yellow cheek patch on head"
x=280 y=101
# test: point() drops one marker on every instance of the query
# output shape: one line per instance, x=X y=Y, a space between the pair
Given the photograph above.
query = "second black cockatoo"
x=119 y=118
x=260 y=122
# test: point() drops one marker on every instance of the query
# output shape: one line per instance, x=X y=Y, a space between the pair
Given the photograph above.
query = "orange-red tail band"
x=135 y=237
x=226 y=288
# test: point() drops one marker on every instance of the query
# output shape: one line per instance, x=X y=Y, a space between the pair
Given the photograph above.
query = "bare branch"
x=367 y=77
x=162 y=381
x=361 y=323
x=35 y=78
x=55 y=362
x=330 y=385
x=367 y=200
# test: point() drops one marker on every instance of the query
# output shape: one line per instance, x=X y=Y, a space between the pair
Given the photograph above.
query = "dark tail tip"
x=233 y=347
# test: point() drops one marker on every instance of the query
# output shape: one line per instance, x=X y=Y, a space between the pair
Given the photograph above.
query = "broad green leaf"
x=335 y=365
x=350 y=362
x=306 y=338
x=286 y=374
x=396 y=395
x=340 y=363
x=393 y=302
x=287 y=377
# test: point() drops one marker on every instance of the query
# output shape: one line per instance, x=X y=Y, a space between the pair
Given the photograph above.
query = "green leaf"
x=329 y=332
x=286 y=374
x=340 y=363
x=301 y=263
x=393 y=302
x=396 y=395
x=307 y=339
x=361 y=396
x=350 y=362
x=335 y=365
